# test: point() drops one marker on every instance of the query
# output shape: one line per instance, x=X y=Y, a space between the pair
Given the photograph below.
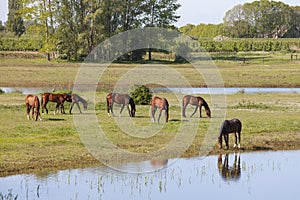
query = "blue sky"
x=191 y=11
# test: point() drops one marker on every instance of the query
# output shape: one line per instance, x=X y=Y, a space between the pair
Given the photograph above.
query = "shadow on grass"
x=54 y=119
x=259 y=148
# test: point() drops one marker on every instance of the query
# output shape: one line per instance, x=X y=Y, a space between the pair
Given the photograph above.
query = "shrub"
x=141 y=94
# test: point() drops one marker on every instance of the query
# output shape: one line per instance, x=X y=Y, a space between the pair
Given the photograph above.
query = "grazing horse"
x=195 y=101
x=230 y=126
x=75 y=99
x=59 y=99
x=123 y=99
x=33 y=102
x=162 y=104
x=230 y=172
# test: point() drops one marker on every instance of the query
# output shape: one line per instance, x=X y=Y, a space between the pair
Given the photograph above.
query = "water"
x=227 y=90
x=176 y=90
x=267 y=175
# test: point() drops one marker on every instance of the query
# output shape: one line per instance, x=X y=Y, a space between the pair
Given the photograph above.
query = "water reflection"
x=230 y=172
x=256 y=175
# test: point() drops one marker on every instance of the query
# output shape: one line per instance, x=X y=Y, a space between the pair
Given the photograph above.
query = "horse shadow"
x=54 y=119
x=229 y=172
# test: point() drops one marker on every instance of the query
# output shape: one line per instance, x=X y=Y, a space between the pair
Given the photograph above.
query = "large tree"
x=15 y=21
x=262 y=18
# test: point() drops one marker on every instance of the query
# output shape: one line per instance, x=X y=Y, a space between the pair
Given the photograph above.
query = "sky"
x=191 y=11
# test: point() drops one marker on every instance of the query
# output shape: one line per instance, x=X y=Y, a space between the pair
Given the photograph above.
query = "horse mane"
x=82 y=99
x=205 y=104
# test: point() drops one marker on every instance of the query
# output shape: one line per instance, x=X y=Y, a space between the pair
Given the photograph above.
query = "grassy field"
x=259 y=70
x=270 y=122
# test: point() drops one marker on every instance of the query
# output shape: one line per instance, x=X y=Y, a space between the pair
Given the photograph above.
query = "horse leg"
x=33 y=118
x=200 y=108
x=183 y=109
x=160 y=111
x=112 y=109
x=56 y=108
x=36 y=114
x=121 y=109
x=62 y=108
x=127 y=106
x=194 y=111
x=44 y=105
x=70 y=111
x=166 y=115
x=153 y=109
x=235 y=140
x=226 y=140
x=239 y=139
x=28 y=111
x=79 y=108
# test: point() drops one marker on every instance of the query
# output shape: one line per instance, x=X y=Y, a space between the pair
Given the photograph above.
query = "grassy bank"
x=270 y=122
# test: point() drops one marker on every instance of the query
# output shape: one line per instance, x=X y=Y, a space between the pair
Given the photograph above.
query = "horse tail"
x=167 y=109
x=36 y=99
x=131 y=102
x=132 y=105
x=108 y=97
x=42 y=102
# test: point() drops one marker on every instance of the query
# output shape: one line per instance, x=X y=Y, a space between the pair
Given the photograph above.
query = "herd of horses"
x=228 y=126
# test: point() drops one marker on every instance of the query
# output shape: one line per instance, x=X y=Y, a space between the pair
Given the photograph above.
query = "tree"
x=159 y=13
x=2 y=26
x=262 y=18
x=14 y=19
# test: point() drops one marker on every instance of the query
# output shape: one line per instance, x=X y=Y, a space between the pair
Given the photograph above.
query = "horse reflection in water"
x=229 y=173
x=159 y=163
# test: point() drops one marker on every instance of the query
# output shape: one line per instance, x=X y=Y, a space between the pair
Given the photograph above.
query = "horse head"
x=208 y=113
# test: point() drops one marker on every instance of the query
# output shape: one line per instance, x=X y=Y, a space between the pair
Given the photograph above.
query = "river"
x=262 y=175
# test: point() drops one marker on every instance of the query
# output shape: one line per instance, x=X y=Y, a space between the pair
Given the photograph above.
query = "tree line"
x=259 y=19
x=74 y=27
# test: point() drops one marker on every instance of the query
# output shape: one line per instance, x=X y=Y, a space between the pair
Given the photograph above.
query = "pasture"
x=259 y=70
x=270 y=122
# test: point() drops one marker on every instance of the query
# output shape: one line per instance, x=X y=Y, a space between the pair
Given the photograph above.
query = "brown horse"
x=195 y=101
x=33 y=102
x=230 y=126
x=75 y=99
x=59 y=99
x=123 y=99
x=162 y=104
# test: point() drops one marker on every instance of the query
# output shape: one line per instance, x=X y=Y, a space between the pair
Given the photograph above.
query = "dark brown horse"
x=230 y=126
x=227 y=172
x=33 y=102
x=59 y=99
x=162 y=104
x=123 y=99
x=75 y=99
x=195 y=101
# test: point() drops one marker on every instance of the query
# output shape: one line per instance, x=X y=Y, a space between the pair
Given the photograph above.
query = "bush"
x=141 y=94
